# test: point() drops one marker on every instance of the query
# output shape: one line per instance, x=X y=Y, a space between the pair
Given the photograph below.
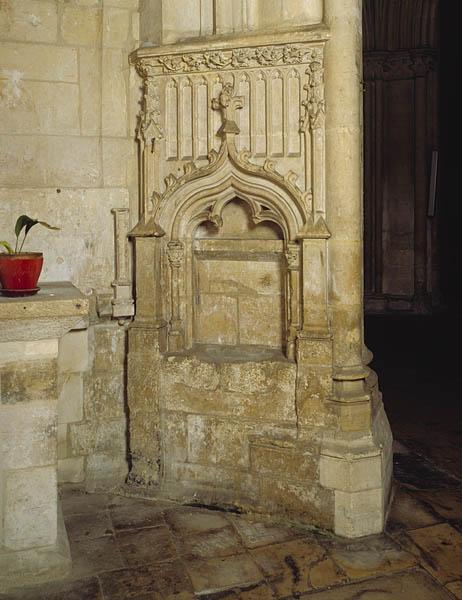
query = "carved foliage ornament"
x=239 y=58
x=148 y=128
x=314 y=104
x=175 y=253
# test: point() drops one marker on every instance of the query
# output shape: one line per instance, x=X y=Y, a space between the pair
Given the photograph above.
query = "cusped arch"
x=201 y=196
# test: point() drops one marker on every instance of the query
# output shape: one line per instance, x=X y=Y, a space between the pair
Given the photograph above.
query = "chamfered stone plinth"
x=33 y=540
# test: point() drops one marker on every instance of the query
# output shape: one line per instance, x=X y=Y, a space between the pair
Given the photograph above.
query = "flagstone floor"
x=145 y=550
x=135 y=549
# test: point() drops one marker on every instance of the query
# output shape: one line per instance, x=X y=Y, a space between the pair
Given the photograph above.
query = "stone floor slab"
x=439 y=549
x=88 y=526
x=193 y=520
x=87 y=589
x=370 y=557
x=455 y=587
x=255 y=533
x=402 y=586
x=77 y=502
x=418 y=473
x=446 y=502
x=147 y=545
x=258 y=592
x=127 y=584
x=209 y=544
x=407 y=512
x=136 y=515
x=90 y=557
x=287 y=566
x=219 y=574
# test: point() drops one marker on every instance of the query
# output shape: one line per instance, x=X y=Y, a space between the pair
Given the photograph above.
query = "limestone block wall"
x=91 y=408
x=67 y=104
x=68 y=101
x=168 y=21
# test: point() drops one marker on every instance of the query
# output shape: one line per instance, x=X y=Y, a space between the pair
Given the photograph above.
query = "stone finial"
x=227 y=103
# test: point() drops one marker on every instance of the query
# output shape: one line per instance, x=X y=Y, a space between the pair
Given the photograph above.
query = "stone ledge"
x=57 y=308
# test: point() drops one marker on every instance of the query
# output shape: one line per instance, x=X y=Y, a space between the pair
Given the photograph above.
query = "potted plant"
x=20 y=271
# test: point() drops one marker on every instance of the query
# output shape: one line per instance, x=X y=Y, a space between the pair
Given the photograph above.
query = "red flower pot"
x=20 y=271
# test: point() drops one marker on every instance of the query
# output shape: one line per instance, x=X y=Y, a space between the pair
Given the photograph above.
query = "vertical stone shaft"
x=121 y=231
x=343 y=64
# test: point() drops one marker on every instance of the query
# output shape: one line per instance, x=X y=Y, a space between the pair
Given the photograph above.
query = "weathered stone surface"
x=81 y=25
x=439 y=548
x=145 y=546
x=145 y=514
x=256 y=533
x=193 y=521
x=105 y=471
x=301 y=502
x=28 y=382
x=370 y=557
x=28 y=434
x=114 y=94
x=70 y=400
x=73 y=352
x=191 y=373
x=92 y=556
x=455 y=588
x=29 y=107
x=90 y=90
x=217 y=441
x=408 y=513
x=222 y=542
x=41 y=62
x=116 y=27
x=47 y=161
x=288 y=565
x=216 y=574
x=88 y=526
x=401 y=587
x=30 y=499
x=71 y=469
x=33 y=20
x=286 y=462
x=109 y=347
x=118 y=159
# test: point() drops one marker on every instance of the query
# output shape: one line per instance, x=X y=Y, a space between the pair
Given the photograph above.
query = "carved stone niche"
x=230 y=366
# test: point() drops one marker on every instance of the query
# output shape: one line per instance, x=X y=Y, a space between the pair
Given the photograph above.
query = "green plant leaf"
x=24 y=221
x=48 y=226
x=6 y=245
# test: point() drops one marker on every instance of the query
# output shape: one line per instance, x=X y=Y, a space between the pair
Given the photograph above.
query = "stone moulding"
x=233 y=53
x=240 y=58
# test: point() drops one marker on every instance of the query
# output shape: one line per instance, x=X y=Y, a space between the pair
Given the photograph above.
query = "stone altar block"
x=33 y=539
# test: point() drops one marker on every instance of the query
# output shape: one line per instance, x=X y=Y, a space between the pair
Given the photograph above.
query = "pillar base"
x=36 y=565
x=359 y=471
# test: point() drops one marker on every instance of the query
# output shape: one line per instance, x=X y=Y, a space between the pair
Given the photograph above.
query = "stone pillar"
x=33 y=539
x=146 y=340
x=355 y=460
